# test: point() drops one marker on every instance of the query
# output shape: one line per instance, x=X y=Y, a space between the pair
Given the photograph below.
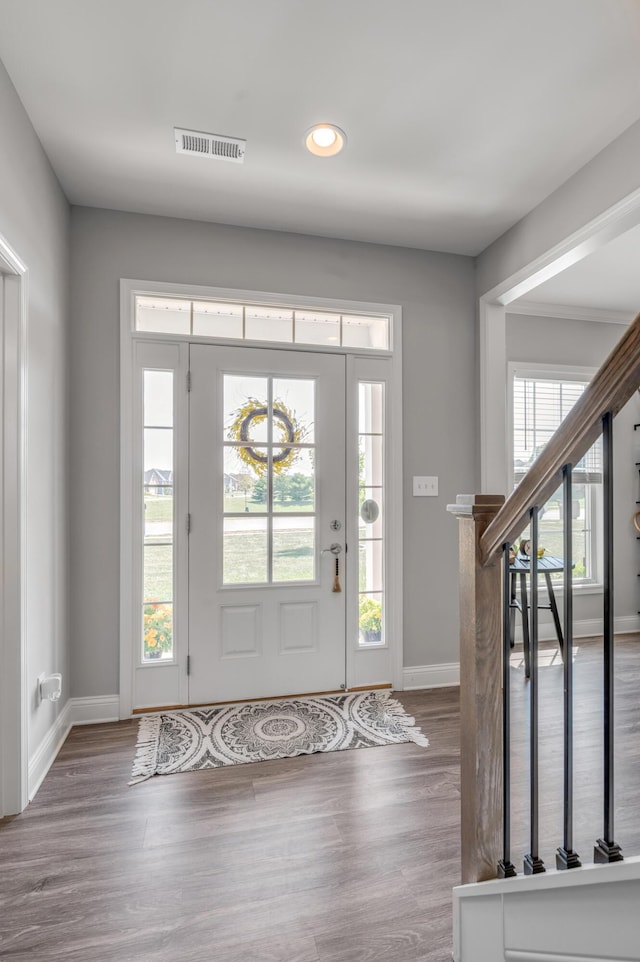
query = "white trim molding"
x=500 y=299
x=567 y=312
x=595 y=234
x=77 y=711
x=430 y=676
x=95 y=710
x=527 y=918
x=44 y=755
x=587 y=628
x=13 y=655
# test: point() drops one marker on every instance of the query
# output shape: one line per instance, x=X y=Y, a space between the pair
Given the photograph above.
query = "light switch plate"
x=425 y=487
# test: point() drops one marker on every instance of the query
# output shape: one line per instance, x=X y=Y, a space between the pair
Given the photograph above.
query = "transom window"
x=255 y=322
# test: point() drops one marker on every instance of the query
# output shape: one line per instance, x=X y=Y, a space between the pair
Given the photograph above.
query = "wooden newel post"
x=480 y=690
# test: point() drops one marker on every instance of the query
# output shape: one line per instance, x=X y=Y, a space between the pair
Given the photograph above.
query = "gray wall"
x=34 y=220
x=436 y=293
x=587 y=344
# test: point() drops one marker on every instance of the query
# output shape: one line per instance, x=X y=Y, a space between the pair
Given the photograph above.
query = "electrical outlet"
x=425 y=487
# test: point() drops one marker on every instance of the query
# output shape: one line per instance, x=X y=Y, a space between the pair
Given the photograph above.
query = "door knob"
x=335 y=549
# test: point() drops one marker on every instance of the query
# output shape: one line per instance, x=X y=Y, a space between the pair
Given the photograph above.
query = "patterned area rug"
x=185 y=741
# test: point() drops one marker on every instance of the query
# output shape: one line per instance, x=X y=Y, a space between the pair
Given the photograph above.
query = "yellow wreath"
x=257 y=411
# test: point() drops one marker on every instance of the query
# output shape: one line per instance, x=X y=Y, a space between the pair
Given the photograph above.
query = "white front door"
x=266 y=499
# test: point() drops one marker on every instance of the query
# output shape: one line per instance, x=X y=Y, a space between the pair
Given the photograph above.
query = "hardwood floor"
x=342 y=857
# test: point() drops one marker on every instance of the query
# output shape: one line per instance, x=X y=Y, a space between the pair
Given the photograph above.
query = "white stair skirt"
x=590 y=914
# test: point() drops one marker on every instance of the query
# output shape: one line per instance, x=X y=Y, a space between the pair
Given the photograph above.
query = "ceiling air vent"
x=209 y=145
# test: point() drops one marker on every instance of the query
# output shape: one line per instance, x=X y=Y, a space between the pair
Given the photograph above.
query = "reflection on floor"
x=546 y=657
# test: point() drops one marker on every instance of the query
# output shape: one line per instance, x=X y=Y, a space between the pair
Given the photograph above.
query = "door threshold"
x=242 y=701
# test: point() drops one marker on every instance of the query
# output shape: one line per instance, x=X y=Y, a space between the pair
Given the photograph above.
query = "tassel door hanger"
x=336 y=580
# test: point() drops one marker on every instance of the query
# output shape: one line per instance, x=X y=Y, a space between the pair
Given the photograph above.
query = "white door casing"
x=252 y=639
x=13 y=655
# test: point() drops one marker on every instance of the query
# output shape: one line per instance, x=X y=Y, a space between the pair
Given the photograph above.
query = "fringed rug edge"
x=145 y=763
x=408 y=722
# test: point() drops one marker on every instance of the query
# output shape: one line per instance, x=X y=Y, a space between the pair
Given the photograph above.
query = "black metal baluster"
x=506 y=869
x=606 y=849
x=533 y=864
x=566 y=858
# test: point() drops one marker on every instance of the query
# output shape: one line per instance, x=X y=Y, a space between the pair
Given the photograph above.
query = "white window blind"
x=539 y=407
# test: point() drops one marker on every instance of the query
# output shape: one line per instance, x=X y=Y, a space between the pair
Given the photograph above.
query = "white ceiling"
x=461 y=115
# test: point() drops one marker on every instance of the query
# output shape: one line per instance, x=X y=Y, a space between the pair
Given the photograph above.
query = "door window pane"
x=243 y=489
x=245 y=551
x=269 y=470
x=244 y=395
x=294 y=480
x=294 y=549
x=294 y=410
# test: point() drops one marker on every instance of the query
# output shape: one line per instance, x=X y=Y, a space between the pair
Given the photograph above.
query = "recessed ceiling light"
x=325 y=140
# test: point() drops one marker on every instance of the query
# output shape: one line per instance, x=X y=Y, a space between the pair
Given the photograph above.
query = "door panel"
x=267 y=479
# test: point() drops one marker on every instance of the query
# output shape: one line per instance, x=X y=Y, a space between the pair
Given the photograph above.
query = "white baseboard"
x=445 y=675
x=42 y=759
x=94 y=710
x=624 y=625
x=588 y=628
x=430 y=676
x=77 y=711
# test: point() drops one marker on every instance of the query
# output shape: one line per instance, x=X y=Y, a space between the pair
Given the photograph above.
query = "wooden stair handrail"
x=608 y=392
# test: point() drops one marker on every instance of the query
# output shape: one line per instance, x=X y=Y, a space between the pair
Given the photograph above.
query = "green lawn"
x=244 y=560
x=235 y=504
x=158 y=508
x=245 y=556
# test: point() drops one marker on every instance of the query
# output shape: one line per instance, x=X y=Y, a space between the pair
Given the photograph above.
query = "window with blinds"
x=540 y=404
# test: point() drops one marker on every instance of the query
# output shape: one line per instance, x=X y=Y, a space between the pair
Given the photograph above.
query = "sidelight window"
x=371 y=542
x=158 y=521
